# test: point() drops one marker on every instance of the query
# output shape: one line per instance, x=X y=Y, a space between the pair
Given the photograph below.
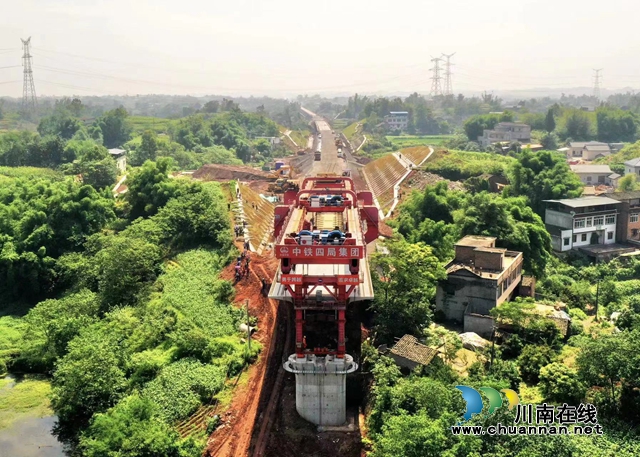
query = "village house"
x=408 y=352
x=589 y=150
x=506 y=132
x=628 y=227
x=479 y=278
x=632 y=167
x=579 y=222
x=120 y=156
x=592 y=175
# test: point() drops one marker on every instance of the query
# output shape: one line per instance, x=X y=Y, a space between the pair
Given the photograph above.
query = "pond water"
x=30 y=437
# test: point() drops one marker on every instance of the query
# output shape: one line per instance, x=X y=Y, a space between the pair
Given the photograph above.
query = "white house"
x=506 y=132
x=584 y=221
x=589 y=150
x=120 y=156
x=632 y=167
x=397 y=120
x=593 y=175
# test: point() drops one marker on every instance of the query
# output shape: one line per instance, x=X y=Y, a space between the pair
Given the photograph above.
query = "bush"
x=182 y=386
x=561 y=384
x=531 y=361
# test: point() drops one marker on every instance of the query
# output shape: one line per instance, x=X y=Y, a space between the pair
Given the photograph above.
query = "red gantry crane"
x=322 y=232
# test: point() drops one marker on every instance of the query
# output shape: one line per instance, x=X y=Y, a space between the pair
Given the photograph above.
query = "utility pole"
x=597 y=80
x=436 y=88
x=246 y=303
x=448 y=86
x=29 y=101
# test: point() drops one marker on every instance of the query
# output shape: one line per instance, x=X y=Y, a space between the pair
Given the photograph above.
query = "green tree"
x=628 y=183
x=150 y=188
x=616 y=125
x=91 y=377
x=127 y=266
x=132 y=428
x=603 y=361
x=550 y=121
x=543 y=176
x=577 y=125
x=532 y=359
x=52 y=324
x=147 y=150
x=405 y=285
x=61 y=123
x=115 y=127
x=561 y=384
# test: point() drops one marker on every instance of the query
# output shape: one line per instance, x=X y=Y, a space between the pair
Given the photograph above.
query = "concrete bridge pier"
x=321 y=396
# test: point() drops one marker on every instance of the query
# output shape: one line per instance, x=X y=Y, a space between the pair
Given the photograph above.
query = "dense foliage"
x=439 y=217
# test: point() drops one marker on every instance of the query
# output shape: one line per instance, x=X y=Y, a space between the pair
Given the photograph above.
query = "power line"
x=448 y=86
x=9 y=82
x=596 y=83
x=29 y=101
x=436 y=87
x=10 y=66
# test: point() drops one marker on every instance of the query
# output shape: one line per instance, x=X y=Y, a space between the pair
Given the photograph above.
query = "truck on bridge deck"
x=322 y=232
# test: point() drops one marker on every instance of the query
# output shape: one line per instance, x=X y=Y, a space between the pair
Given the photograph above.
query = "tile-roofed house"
x=408 y=352
x=632 y=167
x=588 y=150
x=594 y=174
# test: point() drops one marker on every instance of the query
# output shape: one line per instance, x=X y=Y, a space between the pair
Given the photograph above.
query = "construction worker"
x=246 y=245
x=238 y=271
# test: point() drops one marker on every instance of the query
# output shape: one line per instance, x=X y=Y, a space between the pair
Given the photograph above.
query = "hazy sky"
x=286 y=47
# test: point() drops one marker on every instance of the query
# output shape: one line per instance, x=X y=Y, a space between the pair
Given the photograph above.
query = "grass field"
x=7 y=173
x=406 y=141
x=27 y=398
x=300 y=137
x=157 y=124
x=339 y=124
x=460 y=165
x=350 y=130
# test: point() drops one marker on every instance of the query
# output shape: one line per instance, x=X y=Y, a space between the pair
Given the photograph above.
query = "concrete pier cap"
x=321 y=387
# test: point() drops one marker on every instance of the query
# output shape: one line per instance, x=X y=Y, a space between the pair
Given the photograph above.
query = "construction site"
x=310 y=225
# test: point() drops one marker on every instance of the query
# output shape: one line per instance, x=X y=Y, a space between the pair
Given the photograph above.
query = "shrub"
x=532 y=359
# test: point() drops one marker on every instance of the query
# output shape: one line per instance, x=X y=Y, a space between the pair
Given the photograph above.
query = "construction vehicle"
x=282 y=185
x=317 y=155
x=321 y=234
x=301 y=152
x=283 y=171
x=339 y=143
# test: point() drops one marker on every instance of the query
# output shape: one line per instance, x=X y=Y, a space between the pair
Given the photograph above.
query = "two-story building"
x=587 y=150
x=593 y=175
x=397 y=120
x=479 y=278
x=579 y=222
x=506 y=132
x=628 y=227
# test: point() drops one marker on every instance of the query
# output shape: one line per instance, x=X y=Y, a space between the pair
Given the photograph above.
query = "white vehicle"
x=340 y=155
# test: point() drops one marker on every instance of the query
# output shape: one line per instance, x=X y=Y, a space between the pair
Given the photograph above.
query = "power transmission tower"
x=29 y=101
x=436 y=87
x=448 y=86
x=597 y=79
